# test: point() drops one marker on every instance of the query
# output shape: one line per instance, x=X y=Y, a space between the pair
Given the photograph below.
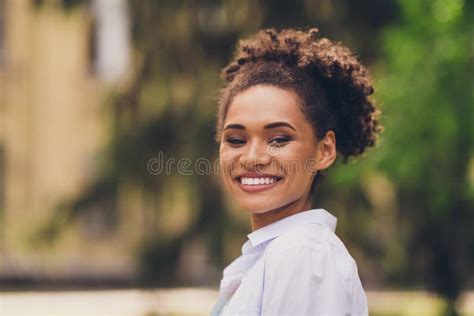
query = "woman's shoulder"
x=312 y=242
x=310 y=235
x=312 y=262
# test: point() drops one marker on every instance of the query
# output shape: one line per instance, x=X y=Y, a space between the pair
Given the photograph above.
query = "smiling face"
x=269 y=152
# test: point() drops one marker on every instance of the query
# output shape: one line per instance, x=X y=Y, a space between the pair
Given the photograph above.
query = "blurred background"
x=95 y=93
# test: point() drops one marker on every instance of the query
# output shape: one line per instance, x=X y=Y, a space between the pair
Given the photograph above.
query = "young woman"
x=291 y=102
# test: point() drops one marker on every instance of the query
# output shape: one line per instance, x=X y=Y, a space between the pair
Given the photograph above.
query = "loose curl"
x=332 y=85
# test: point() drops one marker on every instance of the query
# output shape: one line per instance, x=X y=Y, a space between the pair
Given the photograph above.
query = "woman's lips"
x=246 y=184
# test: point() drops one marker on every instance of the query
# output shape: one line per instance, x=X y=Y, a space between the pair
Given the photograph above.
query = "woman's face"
x=268 y=151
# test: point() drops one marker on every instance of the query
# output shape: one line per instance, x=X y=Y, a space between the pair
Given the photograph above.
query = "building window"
x=109 y=40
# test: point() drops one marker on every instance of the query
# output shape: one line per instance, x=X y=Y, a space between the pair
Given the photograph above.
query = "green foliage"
x=425 y=82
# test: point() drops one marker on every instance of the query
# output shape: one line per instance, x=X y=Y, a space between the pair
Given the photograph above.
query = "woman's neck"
x=260 y=220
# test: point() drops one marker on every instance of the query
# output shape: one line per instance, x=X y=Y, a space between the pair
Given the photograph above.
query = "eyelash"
x=235 y=141
x=279 y=140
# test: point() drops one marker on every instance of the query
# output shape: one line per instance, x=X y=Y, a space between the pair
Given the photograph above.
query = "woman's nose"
x=255 y=155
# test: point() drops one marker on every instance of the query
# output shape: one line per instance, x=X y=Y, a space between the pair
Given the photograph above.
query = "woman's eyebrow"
x=279 y=124
x=268 y=126
x=234 y=126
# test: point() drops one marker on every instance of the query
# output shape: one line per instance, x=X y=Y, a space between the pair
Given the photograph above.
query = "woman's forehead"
x=265 y=104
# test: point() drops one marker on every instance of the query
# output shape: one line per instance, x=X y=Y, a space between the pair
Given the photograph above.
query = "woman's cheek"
x=227 y=162
x=292 y=165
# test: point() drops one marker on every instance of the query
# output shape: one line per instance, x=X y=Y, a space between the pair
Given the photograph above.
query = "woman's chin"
x=258 y=208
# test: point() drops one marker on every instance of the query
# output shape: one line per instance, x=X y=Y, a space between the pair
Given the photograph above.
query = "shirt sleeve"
x=359 y=304
x=305 y=280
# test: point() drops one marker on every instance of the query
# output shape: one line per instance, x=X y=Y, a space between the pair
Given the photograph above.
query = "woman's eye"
x=235 y=141
x=280 y=140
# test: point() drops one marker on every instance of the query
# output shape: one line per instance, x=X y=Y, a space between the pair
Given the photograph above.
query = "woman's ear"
x=326 y=151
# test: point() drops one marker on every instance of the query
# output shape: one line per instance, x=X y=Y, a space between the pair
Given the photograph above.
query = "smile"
x=257 y=181
x=254 y=184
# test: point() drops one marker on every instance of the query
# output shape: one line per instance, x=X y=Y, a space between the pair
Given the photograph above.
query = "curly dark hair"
x=333 y=86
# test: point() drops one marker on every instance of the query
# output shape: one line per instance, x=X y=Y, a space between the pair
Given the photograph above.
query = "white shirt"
x=294 y=266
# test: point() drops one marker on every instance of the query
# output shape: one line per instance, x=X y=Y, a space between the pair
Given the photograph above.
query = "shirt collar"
x=275 y=229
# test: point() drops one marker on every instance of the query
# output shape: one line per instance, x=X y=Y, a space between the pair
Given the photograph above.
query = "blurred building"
x=57 y=65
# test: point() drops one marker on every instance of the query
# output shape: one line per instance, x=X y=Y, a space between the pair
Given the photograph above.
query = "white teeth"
x=257 y=181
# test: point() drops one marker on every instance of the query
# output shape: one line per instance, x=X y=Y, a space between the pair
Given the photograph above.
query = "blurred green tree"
x=426 y=81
